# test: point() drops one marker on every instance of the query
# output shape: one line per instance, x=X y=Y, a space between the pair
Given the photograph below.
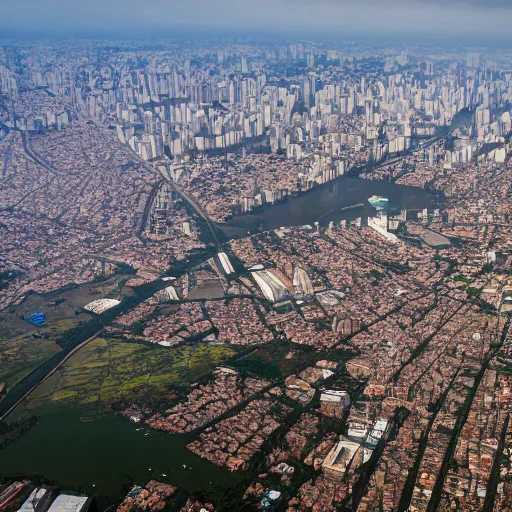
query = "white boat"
x=378 y=201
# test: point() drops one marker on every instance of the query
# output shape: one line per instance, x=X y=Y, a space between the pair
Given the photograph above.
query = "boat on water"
x=378 y=201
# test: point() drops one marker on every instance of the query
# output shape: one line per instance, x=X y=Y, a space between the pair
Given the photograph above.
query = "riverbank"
x=344 y=198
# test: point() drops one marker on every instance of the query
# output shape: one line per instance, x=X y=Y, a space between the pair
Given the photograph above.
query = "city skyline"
x=246 y=267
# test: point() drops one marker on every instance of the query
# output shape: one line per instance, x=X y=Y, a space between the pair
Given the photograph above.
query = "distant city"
x=255 y=276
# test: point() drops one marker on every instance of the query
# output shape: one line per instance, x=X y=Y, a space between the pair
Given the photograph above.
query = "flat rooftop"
x=68 y=503
x=341 y=456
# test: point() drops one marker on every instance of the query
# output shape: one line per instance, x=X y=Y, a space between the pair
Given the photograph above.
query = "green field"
x=110 y=370
x=19 y=356
x=20 y=351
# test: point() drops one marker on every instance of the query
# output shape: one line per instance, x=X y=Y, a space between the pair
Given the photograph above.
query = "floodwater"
x=103 y=455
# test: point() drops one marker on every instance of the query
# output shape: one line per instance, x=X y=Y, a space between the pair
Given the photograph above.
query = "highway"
x=133 y=155
x=394 y=161
x=192 y=203
x=49 y=374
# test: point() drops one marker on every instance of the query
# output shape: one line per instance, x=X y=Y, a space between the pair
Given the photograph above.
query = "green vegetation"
x=24 y=347
x=461 y=279
x=377 y=275
x=260 y=367
x=107 y=370
x=19 y=356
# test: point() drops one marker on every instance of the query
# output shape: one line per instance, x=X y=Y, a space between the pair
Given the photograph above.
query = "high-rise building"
x=473 y=60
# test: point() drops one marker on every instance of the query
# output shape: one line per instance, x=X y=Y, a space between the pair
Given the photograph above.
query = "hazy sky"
x=423 y=17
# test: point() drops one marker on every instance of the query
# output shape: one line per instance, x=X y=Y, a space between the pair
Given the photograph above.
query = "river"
x=333 y=201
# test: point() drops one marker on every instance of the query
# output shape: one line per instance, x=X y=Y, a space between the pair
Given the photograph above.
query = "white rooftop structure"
x=33 y=500
x=68 y=503
x=226 y=264
x=380 y=224
x=270 y=285
x=333 y=395
x=101 y=305
x=326 y=373
x=367 y=453
x=340 y=457
x=376 y=432
x=357 y=430
x=168 y=293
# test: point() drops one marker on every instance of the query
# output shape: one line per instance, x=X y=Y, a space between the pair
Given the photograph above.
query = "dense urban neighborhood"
x=255 y=276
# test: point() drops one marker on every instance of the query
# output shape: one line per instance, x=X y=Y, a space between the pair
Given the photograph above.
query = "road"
x=397 y=159
x=52 y=372
x=25 y=138
x=46 y=367
x=186 y=197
